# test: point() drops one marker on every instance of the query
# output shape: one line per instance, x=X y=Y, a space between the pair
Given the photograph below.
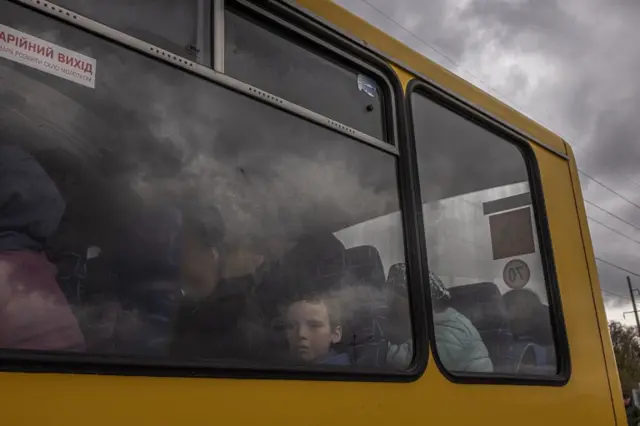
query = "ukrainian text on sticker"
x=36 y=53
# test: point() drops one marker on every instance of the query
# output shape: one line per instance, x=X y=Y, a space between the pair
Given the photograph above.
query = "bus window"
x=170 y=25
x=156 y=214
x=278 y=64
x=492 y=314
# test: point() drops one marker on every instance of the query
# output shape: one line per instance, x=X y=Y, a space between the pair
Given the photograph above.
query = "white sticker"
x=516 y=274
x=48 y=57
x=367 y=85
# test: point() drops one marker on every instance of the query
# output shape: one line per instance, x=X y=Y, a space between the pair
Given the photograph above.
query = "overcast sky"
x=571 y=65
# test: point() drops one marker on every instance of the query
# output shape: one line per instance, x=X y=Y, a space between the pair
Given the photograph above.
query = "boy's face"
x=309 y=330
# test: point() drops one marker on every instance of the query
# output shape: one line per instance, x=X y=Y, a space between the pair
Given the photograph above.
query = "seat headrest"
x=482 y=304
x=365 y=265
x=528 y=316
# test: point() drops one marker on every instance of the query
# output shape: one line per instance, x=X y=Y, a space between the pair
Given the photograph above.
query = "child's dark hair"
x=332 y=304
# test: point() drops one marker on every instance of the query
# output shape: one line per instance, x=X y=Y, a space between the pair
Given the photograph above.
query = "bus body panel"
x=612 y=371
x=43 y=399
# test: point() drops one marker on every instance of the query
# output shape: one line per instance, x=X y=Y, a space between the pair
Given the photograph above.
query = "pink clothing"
x=34 y=313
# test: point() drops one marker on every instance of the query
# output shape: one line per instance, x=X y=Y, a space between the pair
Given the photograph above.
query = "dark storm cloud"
x=589 y=94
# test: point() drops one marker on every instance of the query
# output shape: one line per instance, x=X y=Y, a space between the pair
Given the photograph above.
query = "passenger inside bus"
x=207 y=325
x=532 y=331
x=460 y=347
x=150 y=277
x=319 y=270
x=313 y=328
x=34 y=313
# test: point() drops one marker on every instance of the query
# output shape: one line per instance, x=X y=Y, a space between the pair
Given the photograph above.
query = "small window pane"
x=170 y=218
x=169 y=24
x=490 y=297
x=276 y=64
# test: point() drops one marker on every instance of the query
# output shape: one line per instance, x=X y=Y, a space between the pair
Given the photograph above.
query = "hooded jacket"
x=34 y=313
x=459 y=344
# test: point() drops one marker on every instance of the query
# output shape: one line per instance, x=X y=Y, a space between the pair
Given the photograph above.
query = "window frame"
x=308 y=28
x=305 y=34
x=469 y=112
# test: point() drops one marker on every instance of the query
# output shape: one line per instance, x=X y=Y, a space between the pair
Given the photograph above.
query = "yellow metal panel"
x=590 y=380
x=362 y=30
x=614 y=379
x=403 y=76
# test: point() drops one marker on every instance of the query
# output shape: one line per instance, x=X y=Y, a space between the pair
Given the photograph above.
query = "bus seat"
x=532 y=358
x=528 y=317
x=366 y=308
x=482 y=304
x=531 y=327
x=364 y=263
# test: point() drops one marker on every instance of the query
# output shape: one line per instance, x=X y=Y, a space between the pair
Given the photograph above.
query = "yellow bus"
x=270 y=212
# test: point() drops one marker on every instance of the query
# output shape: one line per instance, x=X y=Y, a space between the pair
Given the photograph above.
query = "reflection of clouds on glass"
x=48 y=112
x=166 y=23
x=284 y=172
x=263 y=168
x=152 y=133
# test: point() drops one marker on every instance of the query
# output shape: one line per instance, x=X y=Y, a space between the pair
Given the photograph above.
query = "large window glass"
x=280 y=65
x=490 y=296
x=156 y=214
x=169 y=24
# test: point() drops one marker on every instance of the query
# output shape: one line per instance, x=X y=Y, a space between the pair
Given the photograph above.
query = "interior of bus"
x=153 y=152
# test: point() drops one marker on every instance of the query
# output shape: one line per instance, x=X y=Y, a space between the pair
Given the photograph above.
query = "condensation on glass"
x=280 y=64
x=490 y=296
x=160 y=215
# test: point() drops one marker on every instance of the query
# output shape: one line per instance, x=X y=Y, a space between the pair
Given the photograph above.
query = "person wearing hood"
x=459 y=344
x=34 y=314
x=211 y=313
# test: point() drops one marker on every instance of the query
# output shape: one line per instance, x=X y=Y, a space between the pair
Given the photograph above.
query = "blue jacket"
x=334 y=358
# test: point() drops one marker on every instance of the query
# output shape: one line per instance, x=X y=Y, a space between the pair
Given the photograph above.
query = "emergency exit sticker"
x=48 y=57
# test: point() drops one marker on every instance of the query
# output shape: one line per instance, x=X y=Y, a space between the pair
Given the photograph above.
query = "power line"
x=455 y=63
x=432 y=47
x=584 y=151
x=610 y=189
x=613 y=230
x=611 y=293
x=611 y=214
x=606 y=262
